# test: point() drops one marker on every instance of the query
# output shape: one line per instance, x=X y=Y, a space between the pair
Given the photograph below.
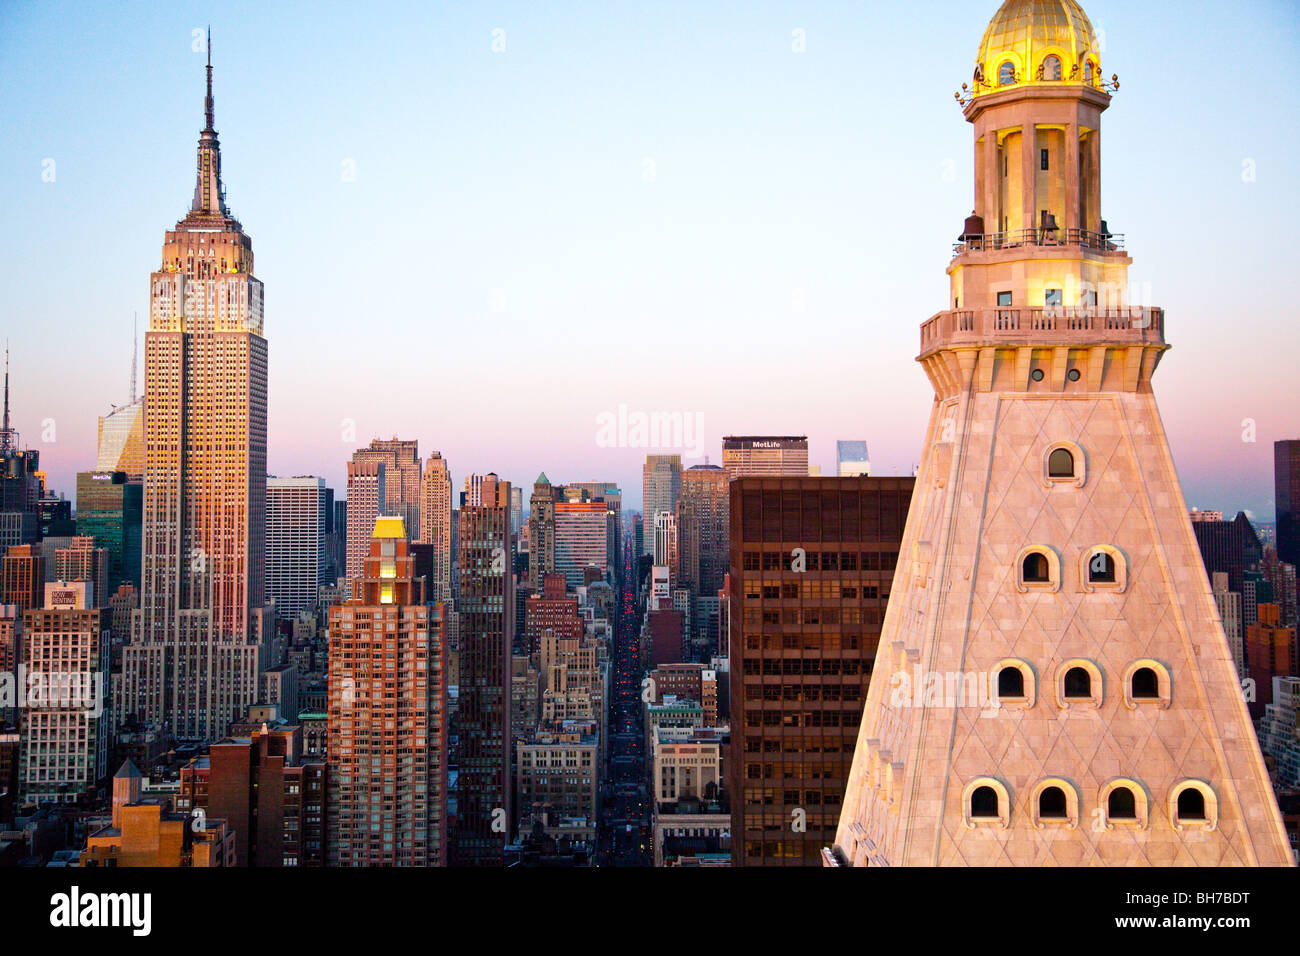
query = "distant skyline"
x=661 y=206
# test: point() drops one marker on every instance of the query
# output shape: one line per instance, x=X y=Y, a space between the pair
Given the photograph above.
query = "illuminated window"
x=1052 y=67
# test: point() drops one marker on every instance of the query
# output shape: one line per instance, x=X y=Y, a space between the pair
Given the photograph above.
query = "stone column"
x=1094 y=191
x=1028 y=175
x=1072 y=176
x=992 y=210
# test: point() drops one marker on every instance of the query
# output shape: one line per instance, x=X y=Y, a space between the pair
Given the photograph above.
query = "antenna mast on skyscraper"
x=5 y=434
x=207 y=102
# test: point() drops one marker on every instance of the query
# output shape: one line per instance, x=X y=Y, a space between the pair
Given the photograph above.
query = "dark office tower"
x=1228 y=546
x=339 y=538
x=194 y=653
x=55 y=519
x=1286 y=492
x=487 y=608
x=20 y=487
x=812 y=560
x=703 y=515
x=386 y=737
x=110 y=509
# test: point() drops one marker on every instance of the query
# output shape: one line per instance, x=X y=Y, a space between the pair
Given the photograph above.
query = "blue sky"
x=659 y=205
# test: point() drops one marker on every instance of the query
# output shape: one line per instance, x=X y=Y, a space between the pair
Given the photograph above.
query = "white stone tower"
x=1052 y=685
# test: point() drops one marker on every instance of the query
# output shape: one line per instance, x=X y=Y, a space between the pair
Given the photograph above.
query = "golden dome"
x=1025 y=35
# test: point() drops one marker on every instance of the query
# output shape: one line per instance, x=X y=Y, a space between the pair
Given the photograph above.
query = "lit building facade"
x=765 y=456
x=194 y=654
x=367 y=490
x=435 y=523
x=386 y=745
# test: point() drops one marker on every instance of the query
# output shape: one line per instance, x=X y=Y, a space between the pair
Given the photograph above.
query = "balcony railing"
x=1049 y=325
x=1018 y=238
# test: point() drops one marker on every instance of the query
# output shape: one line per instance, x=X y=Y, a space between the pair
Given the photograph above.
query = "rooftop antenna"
x=5 y=434
x=207 y=101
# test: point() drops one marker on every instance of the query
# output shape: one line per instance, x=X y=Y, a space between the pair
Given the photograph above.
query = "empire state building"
x=196 y=647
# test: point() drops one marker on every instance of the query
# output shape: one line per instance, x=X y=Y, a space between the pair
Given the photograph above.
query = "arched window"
x=1011 y=682
x=1035 y=568
x=1101 y=568
x=1145 y=683
x=1126 y=803
x=1051 y=804
x=1052 y=67
x=983 y=802
x=1191 y=805
x=1007 y=73
x=1078 y=684
x=1194 y=804
x=1121 y=804
x=1060 y=464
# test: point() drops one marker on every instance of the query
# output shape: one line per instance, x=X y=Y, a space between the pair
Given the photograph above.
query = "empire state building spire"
x=209 y=194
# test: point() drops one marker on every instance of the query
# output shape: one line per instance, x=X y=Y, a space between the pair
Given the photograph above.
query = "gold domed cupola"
x=1036 y=42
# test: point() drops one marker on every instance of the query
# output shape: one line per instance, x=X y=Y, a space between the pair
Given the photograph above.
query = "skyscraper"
x=20 y=484
x=65 y=731
x=811 y=565
x=121 y=432
x=110 y=507
x=81 y=561
x=386 y=726
x=486 y=609
x=1286 y=488
x=661 y=483
x=765 y=455
x=610 y=493
x=851 y=459
x=295 y=544
x=1229 y=546
x=435 y=523
x=703 y=527
x=1052 y=685
x=581 y=539
x=366 y=494
x=193 y=658
x=541 y=531
x=402 y=475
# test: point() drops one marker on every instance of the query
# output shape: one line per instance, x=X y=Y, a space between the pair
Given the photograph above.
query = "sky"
x=489 y=226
